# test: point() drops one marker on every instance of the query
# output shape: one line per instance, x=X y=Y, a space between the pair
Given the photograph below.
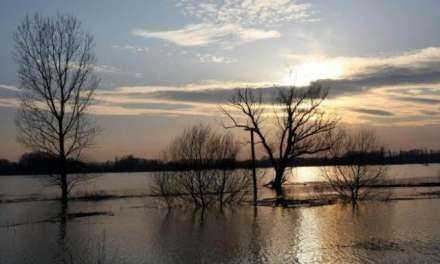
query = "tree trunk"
x=63 y=170
x=278 y=182
x=354 y=197
x=63 y=175
x=278 y=185
x=254 y=172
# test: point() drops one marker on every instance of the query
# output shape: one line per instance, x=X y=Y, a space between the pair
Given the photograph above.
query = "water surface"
x=136 y=231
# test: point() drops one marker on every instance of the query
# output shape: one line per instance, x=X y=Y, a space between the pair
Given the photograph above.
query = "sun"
x=307 y=72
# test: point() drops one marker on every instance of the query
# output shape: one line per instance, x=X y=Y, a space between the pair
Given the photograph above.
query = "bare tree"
x=206 y=175
x=296 y=126
x=353 y=180
x=56 y=61
x=163 y=186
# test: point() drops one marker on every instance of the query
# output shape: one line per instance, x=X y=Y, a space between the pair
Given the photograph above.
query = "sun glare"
x=310 y=71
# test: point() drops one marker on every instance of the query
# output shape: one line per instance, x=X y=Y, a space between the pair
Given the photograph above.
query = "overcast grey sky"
x=167 y=64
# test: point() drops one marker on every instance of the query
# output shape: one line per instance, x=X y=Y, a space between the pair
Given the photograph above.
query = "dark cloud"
x=375 y=112
x=383 y=76
x=206 y=96
x=155 y=106
x=373 y=77
x=416 y=91
x=430 y=113
x=418 y=100
x=210 y=95
x=214 y=95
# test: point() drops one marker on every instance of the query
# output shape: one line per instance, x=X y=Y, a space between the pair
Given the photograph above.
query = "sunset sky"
x=167 y=64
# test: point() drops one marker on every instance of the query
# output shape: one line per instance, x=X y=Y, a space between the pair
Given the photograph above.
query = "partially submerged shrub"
x=353 y=181
x=206 y=175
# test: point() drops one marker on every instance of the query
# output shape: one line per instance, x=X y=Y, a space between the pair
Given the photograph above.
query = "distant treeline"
x=41 y=163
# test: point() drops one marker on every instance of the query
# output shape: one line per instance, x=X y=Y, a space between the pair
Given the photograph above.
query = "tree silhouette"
x=295 y=127
x=56 y=61
x=354 y=180
x=208 y=177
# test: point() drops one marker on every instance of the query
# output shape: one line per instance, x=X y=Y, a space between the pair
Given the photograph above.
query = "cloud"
x=415 y=91
x=404 y=88
x=8 y=91
x=205 y=96
x=375 y=112
x=9 y=102
x=199 y=86
x=209 y=58
x=196 y=99
x=231 y=22
x=9 y=96
x=360 y=74
x=430 y=113
x=151 y=105
x=212 y=95
x=353 y=65
x=9 y=87
x=247 y=12
x=131 y=48
x=203 y=34
x=381 y=106
x=108 y=69
x=419 y=100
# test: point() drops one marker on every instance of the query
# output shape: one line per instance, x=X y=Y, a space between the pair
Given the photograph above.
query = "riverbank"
x=138 y=165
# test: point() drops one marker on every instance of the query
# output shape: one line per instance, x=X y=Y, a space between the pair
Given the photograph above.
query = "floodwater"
x=135 y=230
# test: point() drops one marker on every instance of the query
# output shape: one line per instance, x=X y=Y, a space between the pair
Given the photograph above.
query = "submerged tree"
x=206 y=172
x=296 y=126
x=353 y=181
x=56 y=61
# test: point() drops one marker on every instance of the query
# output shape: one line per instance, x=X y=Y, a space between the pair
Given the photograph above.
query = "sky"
x=165 y=65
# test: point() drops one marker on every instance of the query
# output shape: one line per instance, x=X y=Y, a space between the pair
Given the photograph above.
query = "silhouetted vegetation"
x=55 y=68
x=8 y=167
x=40 y=163
x=351 y=181
x=206 y=182
x=296 y=126
x=130 y=163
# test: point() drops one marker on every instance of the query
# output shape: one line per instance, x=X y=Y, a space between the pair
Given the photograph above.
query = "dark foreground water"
x=394 y=232
x=134 y=230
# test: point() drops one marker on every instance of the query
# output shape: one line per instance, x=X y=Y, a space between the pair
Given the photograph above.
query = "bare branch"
x=297 y=126
x=56 y=61
x=353 y=181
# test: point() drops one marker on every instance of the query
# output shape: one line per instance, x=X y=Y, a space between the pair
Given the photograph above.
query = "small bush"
x=207 y=176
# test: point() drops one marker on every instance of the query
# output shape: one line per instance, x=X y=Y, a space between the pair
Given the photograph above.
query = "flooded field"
x=135 y=230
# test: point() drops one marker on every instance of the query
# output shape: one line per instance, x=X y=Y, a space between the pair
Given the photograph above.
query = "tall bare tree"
x=354 y=180
x=56 y=60
x=296 y=125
